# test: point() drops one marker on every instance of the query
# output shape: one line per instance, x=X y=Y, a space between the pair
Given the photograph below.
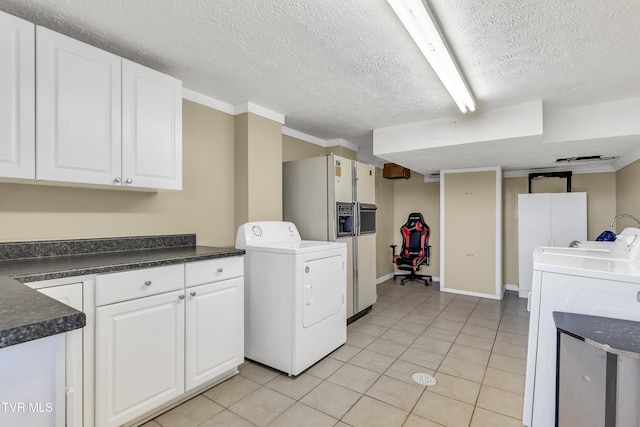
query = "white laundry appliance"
x=295 y=296
x=626 y=246
x=602 y=283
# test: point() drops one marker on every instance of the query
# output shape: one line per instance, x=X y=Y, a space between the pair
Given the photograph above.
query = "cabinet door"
x=139 y=356
x=215 y=330
x=471 y=232
x=78 y=111
x=151 y=128
x=569 y=218
x=71 y=295
x=534 y=229
x=17 y=98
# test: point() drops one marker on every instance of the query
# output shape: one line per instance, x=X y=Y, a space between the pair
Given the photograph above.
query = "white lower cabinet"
x=71 y=295
x=215 y=330
x=162 y=332
x=140 y=361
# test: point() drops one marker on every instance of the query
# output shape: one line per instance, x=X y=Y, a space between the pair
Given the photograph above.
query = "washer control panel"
x=262 y=232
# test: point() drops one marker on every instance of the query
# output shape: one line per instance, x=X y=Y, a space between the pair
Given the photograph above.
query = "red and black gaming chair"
x=415 y=249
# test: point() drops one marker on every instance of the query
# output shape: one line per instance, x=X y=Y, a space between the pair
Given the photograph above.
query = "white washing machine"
x=295 y=296
x=582 y=282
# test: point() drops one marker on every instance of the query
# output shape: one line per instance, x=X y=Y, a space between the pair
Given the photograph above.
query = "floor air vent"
x=424 y=379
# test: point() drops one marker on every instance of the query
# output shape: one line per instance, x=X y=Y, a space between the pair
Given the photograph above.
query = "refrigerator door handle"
x=356 y=214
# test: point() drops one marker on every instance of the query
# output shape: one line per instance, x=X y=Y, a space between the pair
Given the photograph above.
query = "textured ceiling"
x=338 y=69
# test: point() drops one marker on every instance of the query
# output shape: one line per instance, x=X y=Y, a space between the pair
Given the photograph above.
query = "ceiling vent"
x=585 y=159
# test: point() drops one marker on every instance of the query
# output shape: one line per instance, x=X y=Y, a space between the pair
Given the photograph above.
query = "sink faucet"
x=617 y=217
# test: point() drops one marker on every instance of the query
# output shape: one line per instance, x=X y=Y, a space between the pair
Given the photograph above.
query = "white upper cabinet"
x=17 y=110
x=151 y=128
x=78 y=111
x=104 y=120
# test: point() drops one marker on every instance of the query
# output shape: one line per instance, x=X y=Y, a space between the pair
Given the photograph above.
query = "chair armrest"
x=393 y=249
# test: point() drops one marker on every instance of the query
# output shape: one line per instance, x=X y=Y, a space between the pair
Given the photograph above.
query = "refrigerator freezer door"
x=308 y=199
x=365 y=183
x=343 y=179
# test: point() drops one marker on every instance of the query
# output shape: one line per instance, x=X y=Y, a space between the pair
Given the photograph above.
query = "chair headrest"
x=415 y=221
x=415 y=217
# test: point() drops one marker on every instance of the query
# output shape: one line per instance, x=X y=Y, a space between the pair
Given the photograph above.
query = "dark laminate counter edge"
x=26 y=314
x=52 y=248
x=133 y=265
x=613 y=335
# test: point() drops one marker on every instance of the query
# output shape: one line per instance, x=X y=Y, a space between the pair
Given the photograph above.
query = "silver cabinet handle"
x=147 y=283
x=117 y=180
x=128 y=181
x=192 y=293
x=180 y=296
x=220 y=270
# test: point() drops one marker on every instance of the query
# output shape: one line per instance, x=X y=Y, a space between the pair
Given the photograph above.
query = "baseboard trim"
x=384 y=278
x=472 y=294
x=511 y=287
x=390 y=276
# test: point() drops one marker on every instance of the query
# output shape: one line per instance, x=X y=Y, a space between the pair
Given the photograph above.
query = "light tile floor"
x=474 y=347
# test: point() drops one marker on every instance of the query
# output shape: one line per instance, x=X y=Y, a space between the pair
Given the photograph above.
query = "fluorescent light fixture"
x=417 y=18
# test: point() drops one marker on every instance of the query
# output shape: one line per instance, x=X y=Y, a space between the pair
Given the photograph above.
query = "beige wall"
x=627 y=195
x=258 y=169
x=601 y=199
x=341 y=151
x=385 y=227
x=204 y=207
x=296 y=149
x=241 y=169
x=511 y=187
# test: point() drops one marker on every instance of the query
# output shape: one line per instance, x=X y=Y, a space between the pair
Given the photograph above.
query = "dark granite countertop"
x=613 y=335
x=26 y=314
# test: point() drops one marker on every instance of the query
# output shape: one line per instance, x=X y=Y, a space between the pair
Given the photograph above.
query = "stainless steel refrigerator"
x=332 y=198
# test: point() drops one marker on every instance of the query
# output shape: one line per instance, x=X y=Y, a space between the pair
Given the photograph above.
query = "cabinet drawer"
x=134 y=284
x=213 y=270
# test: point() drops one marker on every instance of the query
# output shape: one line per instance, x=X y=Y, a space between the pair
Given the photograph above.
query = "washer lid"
x=596 y=267
x=296 y=248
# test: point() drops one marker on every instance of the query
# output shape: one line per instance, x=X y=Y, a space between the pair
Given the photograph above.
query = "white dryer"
x=295 y=296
